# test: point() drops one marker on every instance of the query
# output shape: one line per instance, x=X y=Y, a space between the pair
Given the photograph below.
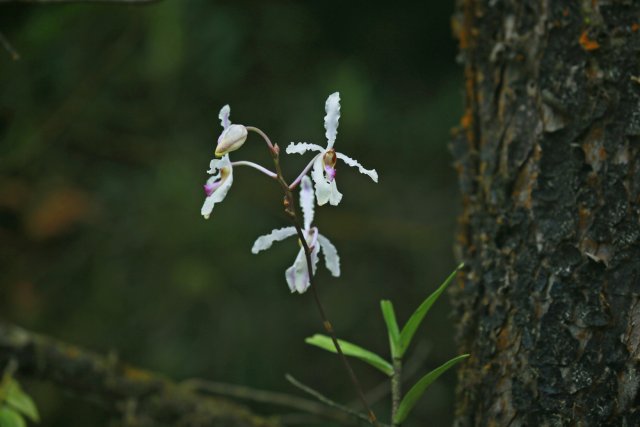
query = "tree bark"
x=548 y=157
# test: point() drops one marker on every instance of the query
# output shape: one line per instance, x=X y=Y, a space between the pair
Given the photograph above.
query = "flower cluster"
x=221 y=171
x=323 y=173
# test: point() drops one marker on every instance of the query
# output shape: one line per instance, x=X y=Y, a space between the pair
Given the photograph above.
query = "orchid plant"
x=299 y=276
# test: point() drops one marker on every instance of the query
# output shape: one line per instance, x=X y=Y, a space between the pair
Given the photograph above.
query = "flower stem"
x=396 y=389
x=255 y=166
x=262 y=134
x=295 y=183
x=291 y=211
x=324 y=399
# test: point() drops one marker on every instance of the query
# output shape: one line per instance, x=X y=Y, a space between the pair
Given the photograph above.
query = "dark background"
x=107 y=126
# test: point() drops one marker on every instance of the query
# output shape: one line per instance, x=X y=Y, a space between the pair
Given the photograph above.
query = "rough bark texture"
x=139 y=398
x=548 y=156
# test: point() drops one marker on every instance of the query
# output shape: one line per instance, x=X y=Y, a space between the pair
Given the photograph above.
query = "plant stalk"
x=396 y=389
x=290 y=209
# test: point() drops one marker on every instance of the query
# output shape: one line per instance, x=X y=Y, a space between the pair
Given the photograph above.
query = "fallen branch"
x=140 y=398
x=80 y=1
x=9 y=47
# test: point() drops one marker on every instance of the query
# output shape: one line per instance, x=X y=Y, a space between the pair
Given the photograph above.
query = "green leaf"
x=392 y=326
x=416 y=318
x=21 y=402
x=352 y=350
x=10 y=418
x=410 y=399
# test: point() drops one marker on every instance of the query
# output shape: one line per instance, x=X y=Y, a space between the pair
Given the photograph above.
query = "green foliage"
x=392 y=326
x=399 y=342
x=349 y=349
x=17 y=399
x=411 y=398
x=15 y=404
x=410 y=328
x=10 y=418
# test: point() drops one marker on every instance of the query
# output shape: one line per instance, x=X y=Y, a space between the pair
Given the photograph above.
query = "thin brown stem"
x=329 y=327
x=290 y=209
x=263 y=135
x=335 y=413
x=324 y=399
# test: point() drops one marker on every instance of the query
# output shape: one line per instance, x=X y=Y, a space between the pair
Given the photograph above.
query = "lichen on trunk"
x=548 y=156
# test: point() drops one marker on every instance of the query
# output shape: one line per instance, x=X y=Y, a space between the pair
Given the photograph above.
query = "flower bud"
x=231 y=139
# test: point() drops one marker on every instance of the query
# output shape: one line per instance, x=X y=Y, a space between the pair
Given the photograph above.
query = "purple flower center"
x=209 y=188
x=331 y=172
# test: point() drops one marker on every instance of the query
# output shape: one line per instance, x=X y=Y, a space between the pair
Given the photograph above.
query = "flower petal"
x=315 y=258
x=302 y=147
x=297 y=275
x=218 y=195
x=354 y=163
x=335 y=196
x=223 y=115
x=323 y=189
x=265 y=241
x=306 y=201
x=332 y=107
x=331 y=258
x=207 y=207
x=216 y=165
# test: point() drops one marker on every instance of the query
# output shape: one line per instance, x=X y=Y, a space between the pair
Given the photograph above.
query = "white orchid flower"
x=232 y=137
x=324 y=171
x=219 y=183
x=297 y=275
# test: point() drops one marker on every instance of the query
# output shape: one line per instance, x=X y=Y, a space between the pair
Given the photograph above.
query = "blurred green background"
x=107 y=126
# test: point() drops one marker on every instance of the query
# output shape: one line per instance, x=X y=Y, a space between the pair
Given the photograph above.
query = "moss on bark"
x=548 y=157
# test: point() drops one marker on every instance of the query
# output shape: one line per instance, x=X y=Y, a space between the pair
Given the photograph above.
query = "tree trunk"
x=548 y=156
